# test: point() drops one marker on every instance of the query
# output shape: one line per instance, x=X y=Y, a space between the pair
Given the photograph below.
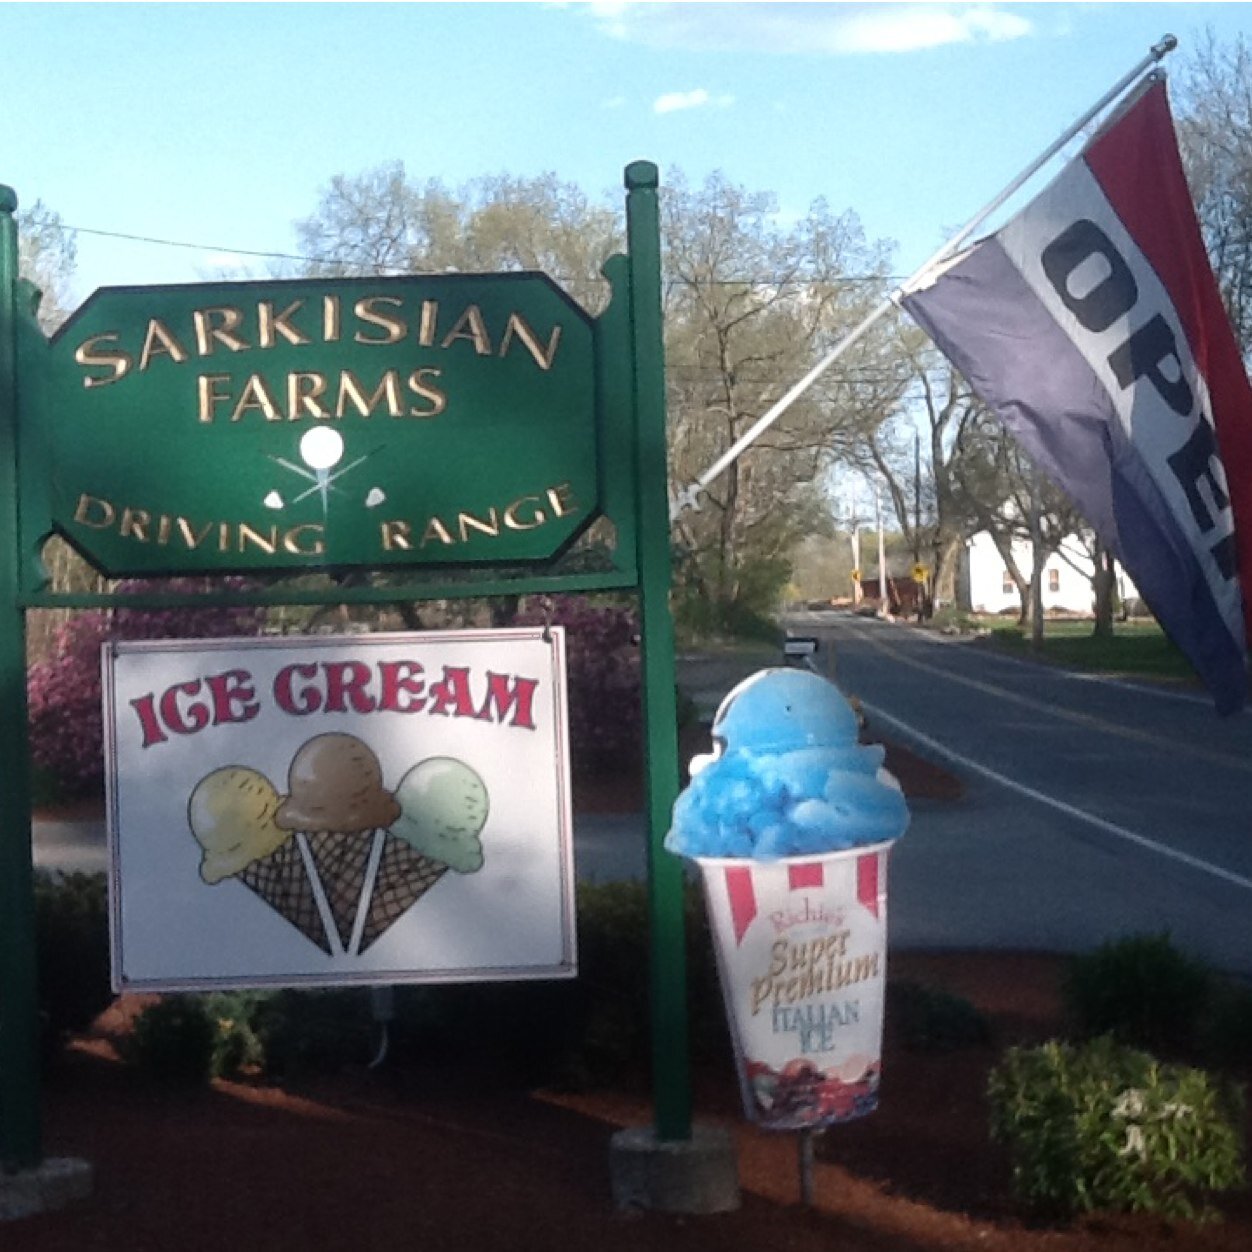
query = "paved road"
x=1093 y=808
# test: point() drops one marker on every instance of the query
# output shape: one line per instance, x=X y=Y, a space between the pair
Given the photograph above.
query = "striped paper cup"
x=802 y=955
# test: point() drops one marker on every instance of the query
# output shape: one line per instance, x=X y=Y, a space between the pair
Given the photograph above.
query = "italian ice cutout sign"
x=321 y=811
x=790 y=820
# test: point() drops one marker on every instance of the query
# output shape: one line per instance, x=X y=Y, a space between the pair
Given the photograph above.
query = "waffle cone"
x=404 y=876
x=280 y=880
x=341 y=860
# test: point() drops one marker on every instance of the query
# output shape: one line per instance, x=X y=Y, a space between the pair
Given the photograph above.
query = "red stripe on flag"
x=867 y=881
x=810 y=874
x=1138 y=166
x=742 y=898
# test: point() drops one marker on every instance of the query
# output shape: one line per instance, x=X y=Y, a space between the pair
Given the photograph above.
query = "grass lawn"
x=1136 y=648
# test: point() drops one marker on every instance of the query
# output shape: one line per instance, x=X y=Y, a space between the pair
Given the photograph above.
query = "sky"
x=219 y=124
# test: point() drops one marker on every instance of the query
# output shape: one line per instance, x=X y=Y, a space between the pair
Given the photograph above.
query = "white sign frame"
x=486 y=707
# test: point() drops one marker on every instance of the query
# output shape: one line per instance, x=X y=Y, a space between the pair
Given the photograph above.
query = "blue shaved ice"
x=789 y=777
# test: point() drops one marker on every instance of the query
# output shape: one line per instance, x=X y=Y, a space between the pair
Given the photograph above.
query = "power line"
x=765 y=280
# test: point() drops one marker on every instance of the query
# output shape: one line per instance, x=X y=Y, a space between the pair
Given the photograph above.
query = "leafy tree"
x=382 y=222
x=751 y=305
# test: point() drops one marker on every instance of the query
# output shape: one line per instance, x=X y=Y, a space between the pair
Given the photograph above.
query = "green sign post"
x=463 y=432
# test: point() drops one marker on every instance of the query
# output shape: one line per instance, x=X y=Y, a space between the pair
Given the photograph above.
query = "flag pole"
x=689 y=497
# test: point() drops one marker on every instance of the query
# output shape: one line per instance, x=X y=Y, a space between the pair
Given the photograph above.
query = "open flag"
x=1092 y=326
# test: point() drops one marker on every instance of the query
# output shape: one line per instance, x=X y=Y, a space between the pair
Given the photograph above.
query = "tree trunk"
x=1105 y=586
x=1037 y=558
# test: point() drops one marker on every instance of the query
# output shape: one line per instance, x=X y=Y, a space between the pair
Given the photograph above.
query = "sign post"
x=665 y=874
x=19 y=1056
x=432 y=436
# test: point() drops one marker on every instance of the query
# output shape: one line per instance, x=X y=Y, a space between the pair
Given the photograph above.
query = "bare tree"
x=1213 y=97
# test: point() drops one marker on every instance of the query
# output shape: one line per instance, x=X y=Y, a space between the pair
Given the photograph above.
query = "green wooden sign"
x=438 y=420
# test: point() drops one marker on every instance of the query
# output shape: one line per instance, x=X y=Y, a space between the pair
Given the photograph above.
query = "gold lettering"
x=119 y=362
x=514 y=522
x=158 y=339
x=135 y=524
x=543 y=357
x=303 y=393
x=88 y=504
x=365 y=310
x=293 y=540
x=190 y=538
x=223 y=536
x=426 y=327
x=267 y=545
x=269 y=324
x=397 y=537
x=207 y=334
x=163 y=529
x=778 y=958
x=435 y=529
x=467 y=522
x=561 y=498
x=330 y=319
x=470 y=325
x=350 y=389
x=210 y=397
x=255 y=395
x=425 y=391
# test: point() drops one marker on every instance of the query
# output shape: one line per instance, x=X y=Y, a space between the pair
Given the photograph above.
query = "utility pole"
x=919 y=585
x=882 y=554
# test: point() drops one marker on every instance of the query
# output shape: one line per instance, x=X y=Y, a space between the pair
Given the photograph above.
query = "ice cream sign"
x=338 y=810
x=448 y=419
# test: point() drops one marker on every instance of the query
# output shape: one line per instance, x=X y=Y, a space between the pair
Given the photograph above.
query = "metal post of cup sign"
x=670 y=1066
x=19 y=1056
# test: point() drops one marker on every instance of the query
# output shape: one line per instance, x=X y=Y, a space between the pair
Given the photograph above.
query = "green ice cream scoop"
x=443 y=807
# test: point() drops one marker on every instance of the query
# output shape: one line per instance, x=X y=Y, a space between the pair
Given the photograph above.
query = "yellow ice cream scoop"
x=231 y=814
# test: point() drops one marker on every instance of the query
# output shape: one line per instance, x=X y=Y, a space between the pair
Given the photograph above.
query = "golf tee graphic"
x=385 y=808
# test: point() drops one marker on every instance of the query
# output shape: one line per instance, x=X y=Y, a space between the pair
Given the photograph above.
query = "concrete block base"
x=51 y=1185
x=696 y=1175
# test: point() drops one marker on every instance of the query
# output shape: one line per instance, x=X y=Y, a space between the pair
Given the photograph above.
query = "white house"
x=1066 y=578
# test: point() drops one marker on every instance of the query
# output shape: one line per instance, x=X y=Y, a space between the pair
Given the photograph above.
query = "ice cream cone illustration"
x=338 y=809
x=443 y=808
x=231 y=814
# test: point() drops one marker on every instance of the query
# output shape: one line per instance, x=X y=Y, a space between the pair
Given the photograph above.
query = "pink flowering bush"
x=606 y=717
x=66 y=718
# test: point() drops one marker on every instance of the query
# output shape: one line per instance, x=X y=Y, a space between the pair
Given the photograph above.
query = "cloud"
x=673 y=101
x=830 y=29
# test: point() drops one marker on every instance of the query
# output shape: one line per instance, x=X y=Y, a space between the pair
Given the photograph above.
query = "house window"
x=1054 y=580
x=1006 y=583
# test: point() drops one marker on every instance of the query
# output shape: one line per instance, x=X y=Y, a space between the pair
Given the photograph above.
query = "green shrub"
x=1226 y=1031
x=237 y=1047
x=583 y=1032
x=928 y=1019
x=1141 y=990
x=300 y=1031
x=1099 y=1126
x=72 y=946
x=173 y=1041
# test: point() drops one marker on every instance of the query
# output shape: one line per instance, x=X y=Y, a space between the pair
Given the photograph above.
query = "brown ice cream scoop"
x=335 y=783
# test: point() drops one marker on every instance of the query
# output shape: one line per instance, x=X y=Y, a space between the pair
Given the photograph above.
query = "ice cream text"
x=327 y=687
